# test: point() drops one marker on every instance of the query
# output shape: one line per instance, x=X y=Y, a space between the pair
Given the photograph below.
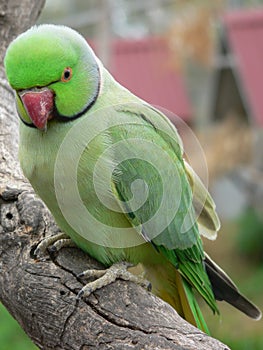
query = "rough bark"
x=41 y=294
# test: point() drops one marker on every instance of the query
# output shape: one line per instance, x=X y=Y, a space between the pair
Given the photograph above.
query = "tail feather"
x=225 y=289
x=171 y=286
x=187 y=312
x=191 y=309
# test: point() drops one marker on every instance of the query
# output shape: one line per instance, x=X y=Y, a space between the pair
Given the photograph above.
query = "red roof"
x=146 y=68
x=244 y=30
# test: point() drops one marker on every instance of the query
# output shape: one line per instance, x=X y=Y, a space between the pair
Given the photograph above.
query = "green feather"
x=198 y=316
x=136 y=197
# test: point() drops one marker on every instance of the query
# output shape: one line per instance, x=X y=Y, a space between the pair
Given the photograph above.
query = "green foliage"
x=250 y=235
x=11 y=334
x=250 y=343
x=232 y=327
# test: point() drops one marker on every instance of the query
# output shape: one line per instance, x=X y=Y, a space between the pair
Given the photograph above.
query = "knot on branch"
x=21 y=207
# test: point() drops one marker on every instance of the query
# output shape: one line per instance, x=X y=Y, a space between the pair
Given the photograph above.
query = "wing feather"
x=177 y=236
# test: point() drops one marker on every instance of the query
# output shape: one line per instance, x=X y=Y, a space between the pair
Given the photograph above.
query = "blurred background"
x=201 y=60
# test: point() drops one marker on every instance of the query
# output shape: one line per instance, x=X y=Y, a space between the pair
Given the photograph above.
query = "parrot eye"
x=66 y=75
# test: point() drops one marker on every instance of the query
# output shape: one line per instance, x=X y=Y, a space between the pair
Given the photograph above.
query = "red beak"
x=39 y=105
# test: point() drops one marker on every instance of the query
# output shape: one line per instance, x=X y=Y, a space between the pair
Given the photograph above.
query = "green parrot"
x=110 y=168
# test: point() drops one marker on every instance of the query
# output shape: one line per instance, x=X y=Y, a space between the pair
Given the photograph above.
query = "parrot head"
x=54 y=72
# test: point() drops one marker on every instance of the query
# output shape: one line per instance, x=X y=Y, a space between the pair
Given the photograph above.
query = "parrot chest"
x=82 y=210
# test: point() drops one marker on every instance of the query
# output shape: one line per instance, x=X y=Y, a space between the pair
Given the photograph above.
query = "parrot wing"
x=153 y=189
x=204 y=205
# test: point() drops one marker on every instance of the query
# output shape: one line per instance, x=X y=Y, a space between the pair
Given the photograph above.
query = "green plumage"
x=124 y=159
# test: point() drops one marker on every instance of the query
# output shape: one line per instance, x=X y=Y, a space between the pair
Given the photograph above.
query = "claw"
x=53 y=243
x=80 y=294
x=108 y=276
x=62 y=243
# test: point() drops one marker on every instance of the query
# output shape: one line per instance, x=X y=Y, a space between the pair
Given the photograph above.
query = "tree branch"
x=41 y=295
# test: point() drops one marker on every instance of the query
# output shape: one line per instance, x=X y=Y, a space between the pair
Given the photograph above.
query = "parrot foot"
x=55 y=242
x=62 y=243
x=107 y=276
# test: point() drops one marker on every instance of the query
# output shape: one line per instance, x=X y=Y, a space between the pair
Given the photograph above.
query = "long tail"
x=225 y=289
x=190 y=308
x=171 y=286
